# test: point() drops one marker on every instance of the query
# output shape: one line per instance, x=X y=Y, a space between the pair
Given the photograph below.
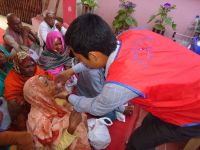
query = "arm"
x=43 y=31
x=111 y=97
x=63 y=30
x=9 y=40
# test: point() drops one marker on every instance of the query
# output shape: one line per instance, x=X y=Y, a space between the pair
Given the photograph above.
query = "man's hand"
x=59 y=25
x=61 y=95
x=129 y=109
x=74 y=120
x=63 y=77
x=25 y=31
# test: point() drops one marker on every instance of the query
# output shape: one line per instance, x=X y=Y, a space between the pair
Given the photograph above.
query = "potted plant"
x=162 y=19
x=88 y=6
x=124 y=18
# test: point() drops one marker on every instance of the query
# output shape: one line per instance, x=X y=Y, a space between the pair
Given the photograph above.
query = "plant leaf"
x=168 y=21
x=159 y=27
x=129 y=21
x=174 y=26
x=151 y=18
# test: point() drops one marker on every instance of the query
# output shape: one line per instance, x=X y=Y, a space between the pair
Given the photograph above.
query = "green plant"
x=124 y=18
x=162 y=19
x=91 y=3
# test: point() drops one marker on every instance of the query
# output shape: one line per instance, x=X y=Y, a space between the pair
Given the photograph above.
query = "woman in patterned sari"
x=54 y=58
x=24 y=67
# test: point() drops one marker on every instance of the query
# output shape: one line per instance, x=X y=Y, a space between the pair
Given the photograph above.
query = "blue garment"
x=6 y=117
x=90 y=82
x=2 y=72
x=194 y=46
x=3 y=105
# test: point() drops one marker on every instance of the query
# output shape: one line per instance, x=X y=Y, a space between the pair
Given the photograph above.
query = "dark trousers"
x=154 y=132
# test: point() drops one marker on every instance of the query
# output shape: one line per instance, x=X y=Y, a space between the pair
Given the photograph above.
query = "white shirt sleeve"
x=43 y=31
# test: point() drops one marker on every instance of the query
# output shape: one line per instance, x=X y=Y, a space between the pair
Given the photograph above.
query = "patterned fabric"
x=14 y=83
x=19 y=59
x=46 y=118
x=51 y=59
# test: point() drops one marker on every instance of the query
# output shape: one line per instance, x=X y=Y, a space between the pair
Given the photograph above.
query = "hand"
x=63 y=77
x=3 y=58
x=59 y=25
x=25 y=31
x=74 y=120
x=129 y=109
x=61 y=95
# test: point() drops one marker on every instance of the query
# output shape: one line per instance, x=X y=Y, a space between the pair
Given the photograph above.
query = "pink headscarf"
x=51 y=36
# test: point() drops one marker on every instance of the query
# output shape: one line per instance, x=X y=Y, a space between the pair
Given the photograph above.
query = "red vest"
x=165 y=75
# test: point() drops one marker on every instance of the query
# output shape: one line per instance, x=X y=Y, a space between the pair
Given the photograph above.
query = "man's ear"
x=92 y=56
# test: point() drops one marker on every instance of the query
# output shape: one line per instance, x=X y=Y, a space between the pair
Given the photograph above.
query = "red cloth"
x=165 y=73
x=1 y=35
x=120 y=131
x=69 y=9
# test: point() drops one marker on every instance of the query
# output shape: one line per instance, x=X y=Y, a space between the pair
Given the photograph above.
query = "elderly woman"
x=55 y=56
x=52 y=126
x=24 y=67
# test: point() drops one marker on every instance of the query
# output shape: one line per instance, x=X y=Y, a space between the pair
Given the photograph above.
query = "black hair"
x=90 y=32
x=59 y=19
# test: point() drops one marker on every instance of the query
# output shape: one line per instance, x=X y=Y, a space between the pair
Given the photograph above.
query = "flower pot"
x=162 y=32
x=86 y=9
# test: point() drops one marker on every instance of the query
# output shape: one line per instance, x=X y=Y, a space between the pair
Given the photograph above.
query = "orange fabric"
x=165 y=73
x=14 y=83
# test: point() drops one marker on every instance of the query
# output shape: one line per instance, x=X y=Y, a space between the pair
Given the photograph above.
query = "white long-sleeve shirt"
x=44 y=29
x=111 y=97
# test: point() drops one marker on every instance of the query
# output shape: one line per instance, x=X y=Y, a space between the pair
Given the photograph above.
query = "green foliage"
x=91 y=3
x=162 y=19
x=124 y=18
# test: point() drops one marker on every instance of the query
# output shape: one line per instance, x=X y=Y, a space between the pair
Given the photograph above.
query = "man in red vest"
x=157 y=73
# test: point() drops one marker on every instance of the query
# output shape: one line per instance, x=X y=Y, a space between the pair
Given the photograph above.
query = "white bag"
x=98 y=133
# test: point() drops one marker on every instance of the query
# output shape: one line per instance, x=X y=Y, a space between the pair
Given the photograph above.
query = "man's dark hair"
x=90 y=32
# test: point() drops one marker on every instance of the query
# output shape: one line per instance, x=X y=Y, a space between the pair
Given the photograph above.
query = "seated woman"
x=5 y=67
x=51 y=125
x=24 y=67
x=55 y=56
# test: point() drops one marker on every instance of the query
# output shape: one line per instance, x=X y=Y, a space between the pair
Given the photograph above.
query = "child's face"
x=95 y=59
x=58 y=45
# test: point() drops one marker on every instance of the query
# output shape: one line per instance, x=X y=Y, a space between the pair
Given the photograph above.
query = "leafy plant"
x=124 y=18
x=91 y=3
x=162 y=19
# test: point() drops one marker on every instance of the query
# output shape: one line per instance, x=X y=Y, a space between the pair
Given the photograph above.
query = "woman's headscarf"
x=51 y=36
x=36 y=94
x=44 y=121
x=20 y=58
x=14 y=81
x=51 y=59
